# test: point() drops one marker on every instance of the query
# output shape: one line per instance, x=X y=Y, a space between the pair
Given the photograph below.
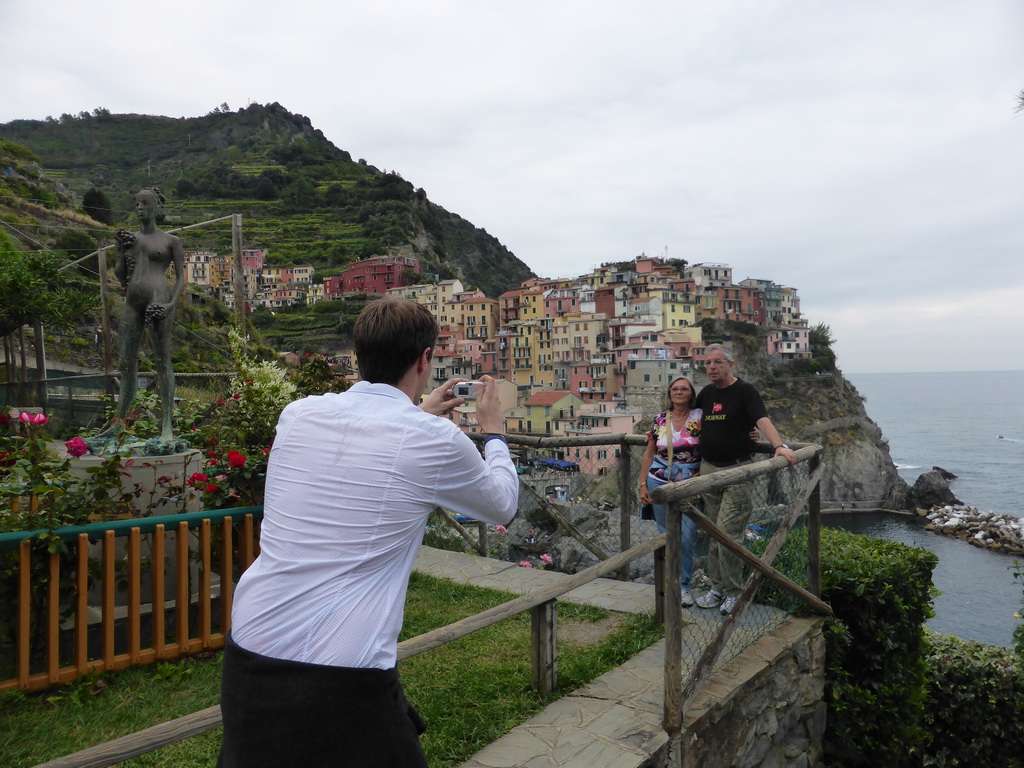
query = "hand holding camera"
x=469 y=390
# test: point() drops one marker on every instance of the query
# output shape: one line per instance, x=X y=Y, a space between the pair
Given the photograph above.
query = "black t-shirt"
x=729 y=415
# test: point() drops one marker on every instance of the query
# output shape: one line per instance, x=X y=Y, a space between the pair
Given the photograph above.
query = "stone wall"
x=765 y=709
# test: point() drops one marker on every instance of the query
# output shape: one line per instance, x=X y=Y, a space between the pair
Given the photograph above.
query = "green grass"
x=469 y=691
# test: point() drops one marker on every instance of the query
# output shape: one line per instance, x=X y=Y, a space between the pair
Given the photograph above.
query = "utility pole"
x=238 y=274
x=108 y=354
x=40 y=347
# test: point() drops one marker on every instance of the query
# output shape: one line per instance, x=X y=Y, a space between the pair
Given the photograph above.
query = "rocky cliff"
x=824 y=409
x=828 y=410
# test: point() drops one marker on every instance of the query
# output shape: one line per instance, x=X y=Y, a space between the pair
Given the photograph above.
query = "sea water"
x=971 y=424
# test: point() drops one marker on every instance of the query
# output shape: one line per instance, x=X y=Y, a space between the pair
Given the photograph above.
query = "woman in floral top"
x=682 y=420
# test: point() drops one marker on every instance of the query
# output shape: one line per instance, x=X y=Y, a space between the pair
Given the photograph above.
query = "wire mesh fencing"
x=760 y=506
x=578 y=505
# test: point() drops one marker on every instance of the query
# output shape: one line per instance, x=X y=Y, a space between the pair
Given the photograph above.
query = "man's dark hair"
x=389 y=335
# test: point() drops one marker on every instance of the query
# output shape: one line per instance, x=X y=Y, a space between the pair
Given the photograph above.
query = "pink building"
x=600 y=418
x=559 y=301
x=787 y=343
x=375 y=275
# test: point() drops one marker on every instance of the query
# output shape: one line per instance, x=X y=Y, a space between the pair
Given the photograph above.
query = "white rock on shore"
x=983 y=529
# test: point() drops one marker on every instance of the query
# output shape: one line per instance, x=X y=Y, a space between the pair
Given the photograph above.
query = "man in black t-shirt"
x=732 y=409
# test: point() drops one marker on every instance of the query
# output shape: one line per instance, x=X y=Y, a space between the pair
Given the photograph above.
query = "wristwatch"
x=780 y=445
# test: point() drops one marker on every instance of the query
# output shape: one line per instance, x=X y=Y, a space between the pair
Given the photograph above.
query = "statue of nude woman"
x=142 y=261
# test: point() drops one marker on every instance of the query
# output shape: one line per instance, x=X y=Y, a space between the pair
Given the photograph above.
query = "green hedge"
x=881 y=592
x=974 y=711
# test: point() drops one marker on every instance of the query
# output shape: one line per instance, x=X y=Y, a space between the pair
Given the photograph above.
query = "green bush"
x=974 y=711
x=881 y=593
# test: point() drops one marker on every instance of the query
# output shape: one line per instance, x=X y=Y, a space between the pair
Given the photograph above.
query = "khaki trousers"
x=729 y=509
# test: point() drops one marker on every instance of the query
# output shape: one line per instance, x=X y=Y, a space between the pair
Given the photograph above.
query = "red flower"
x=248 y=381
x=237 y=396
x=211 y=488
x=5 y=420
x=236 y=459
x=198 y=479
x=76 y=447
x=221 y=401
x=35 y=419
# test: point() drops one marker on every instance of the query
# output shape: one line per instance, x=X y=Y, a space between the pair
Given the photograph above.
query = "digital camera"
x=468 y=390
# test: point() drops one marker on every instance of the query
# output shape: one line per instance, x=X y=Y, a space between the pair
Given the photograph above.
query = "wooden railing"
x=679 y=694
x=542 y=604
x=115 y=639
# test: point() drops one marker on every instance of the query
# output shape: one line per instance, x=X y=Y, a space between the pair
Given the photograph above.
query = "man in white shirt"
x=309 y=672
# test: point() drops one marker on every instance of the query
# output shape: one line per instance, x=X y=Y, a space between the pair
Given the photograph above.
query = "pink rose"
x=501 y=529
x=76 y=447
x=546 y=559
x=35 y=419
x=525 y=564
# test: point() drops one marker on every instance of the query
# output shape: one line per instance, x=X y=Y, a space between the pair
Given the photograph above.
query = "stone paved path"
x=614 y=721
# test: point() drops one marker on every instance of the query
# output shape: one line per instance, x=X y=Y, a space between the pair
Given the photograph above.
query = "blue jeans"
x=689 y=537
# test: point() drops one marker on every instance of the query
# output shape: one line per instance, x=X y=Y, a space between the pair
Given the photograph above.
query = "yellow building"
x=531 y=363
x=477 y=317
x=549 y=413
x=677 y=307
x=578 y=336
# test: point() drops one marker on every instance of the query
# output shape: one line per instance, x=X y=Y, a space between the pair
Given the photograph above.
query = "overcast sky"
x=866 y=153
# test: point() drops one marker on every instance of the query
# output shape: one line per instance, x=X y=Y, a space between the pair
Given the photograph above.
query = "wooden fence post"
x=625 y=502
x=659 y=584
x=672 y=590
x=814 y=532
x=544 y=646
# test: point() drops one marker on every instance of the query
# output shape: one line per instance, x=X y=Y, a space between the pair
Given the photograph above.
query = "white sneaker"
x=709 y=600
x=727 y=605
x=687 y=598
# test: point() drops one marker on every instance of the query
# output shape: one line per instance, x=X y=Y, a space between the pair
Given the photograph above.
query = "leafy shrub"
x=316 y=377
x=881 y=593
x=974 y=712
x=236 y=430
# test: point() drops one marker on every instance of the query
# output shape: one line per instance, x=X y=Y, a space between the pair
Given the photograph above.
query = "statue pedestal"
x=160 y=480
x=161 y=483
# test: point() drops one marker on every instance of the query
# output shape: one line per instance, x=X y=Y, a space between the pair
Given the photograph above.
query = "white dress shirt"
x=351 y=481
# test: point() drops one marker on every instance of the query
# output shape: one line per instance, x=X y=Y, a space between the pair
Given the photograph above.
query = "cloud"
x=863 y=153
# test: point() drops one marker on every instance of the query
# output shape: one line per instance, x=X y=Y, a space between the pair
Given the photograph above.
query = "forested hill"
x=301 y=197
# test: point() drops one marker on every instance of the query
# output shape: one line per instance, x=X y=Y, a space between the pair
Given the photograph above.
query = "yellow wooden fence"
x=134 y=567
